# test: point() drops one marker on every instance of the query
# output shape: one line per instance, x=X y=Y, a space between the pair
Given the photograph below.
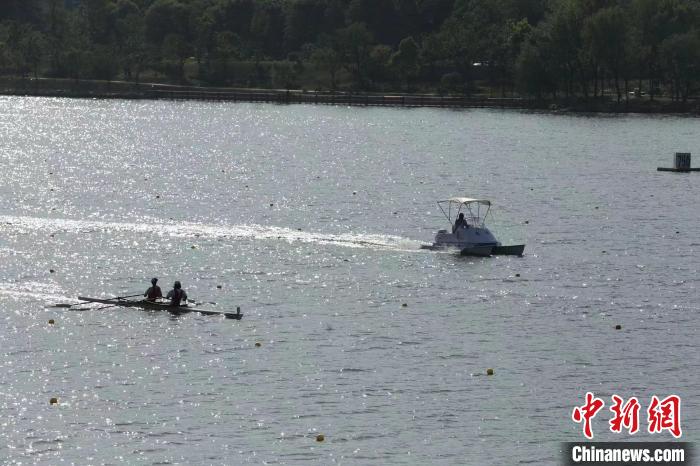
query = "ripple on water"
x=321 y=274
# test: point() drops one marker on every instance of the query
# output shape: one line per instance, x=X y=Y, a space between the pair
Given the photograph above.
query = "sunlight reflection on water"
x=311 y=218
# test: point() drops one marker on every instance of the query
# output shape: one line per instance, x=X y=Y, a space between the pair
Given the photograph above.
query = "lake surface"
x=310 y=218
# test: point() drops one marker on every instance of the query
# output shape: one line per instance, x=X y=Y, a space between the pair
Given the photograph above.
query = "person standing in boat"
x=153 y=293
x=177 y=295
x=461 y=222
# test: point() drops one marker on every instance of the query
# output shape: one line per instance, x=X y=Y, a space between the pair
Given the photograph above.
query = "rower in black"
x=177 y=295
x=153 y=293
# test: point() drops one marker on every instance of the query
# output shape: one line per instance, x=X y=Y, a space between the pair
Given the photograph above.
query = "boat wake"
x=198 y=230
x=43 y=292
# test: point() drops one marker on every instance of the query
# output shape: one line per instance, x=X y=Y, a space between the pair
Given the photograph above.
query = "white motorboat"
x=469 y=233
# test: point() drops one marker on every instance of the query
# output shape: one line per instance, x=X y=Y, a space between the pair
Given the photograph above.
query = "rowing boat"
x=155 y=306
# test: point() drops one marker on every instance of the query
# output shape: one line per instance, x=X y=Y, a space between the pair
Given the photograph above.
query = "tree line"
x=541 y=48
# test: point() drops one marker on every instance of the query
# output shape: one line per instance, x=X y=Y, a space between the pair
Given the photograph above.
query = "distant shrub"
x=451 y=82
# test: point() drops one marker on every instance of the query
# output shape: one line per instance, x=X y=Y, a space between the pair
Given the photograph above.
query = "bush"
x=451 y=82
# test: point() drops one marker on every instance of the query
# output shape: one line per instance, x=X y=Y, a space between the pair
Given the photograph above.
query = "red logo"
x=626 y=416
x=661 y=415
x=587 y=412
x=665 y=415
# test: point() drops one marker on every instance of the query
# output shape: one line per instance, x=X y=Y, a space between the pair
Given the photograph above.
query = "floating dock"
x=681 y=164
x=678 y=170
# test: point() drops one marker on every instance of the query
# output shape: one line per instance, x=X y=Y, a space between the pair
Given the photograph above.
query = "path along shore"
x=48 y=87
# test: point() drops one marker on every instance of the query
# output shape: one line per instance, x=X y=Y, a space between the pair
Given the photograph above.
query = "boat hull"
x=153 y=306
x=514 y=250
x=477 y=251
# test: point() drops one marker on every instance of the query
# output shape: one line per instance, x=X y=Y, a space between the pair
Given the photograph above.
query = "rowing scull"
x=154 y=306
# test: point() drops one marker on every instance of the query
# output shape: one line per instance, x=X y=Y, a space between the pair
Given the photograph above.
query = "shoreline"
x=49 y=87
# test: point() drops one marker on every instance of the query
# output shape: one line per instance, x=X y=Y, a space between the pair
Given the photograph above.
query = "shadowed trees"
x=605 y=36
x=405 y=60
x=353 y=43
x=574 y=49
x=328 y=60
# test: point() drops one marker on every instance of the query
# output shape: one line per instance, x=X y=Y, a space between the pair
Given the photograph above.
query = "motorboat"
x=469 y=233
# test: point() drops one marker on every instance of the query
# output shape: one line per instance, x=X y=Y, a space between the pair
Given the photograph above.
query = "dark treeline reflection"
x=540 y=48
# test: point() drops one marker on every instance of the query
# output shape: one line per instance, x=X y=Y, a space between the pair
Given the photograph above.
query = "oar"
x=131 y=296
x=73 y=307
x=118 y=298
x=93 y=309
x=70 y=305
x=197 y=303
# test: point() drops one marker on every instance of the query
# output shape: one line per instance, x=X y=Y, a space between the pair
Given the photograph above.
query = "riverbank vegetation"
x=562 y=49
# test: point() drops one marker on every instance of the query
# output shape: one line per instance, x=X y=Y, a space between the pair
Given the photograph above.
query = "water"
x=311 y=218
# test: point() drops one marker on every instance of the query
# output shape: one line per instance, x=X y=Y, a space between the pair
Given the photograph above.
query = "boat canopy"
x=474 y=215
x=466 y=200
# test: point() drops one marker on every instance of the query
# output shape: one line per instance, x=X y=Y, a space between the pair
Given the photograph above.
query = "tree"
x=681 y=53
x=204 y=34
x=354 y=44
x=225 y=49
x=283 y=75
x=176 y=49
x=533 y=74
x=378 y=16
x=605 y=36
x=379 y=64
x=459 y=44
x=533 y=11
x=167 y=17
x=333 y=16
x=133 y=52
x=31 y=47
x=451 y=82
x=559 y=39
x=23 y=11
x=76 y=55
x=513 y=35
x=267 y=29
x=58 y=34
x=328 y=60
x=654 y=21
x=433 y=13
x=576 y=47
x=405 y=60
x=100 y=16
x=302 y=22
x=21 y=47
x=102 y=63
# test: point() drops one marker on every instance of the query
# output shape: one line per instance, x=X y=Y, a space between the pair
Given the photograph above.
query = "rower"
x=153 y=293
x=177 y=295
